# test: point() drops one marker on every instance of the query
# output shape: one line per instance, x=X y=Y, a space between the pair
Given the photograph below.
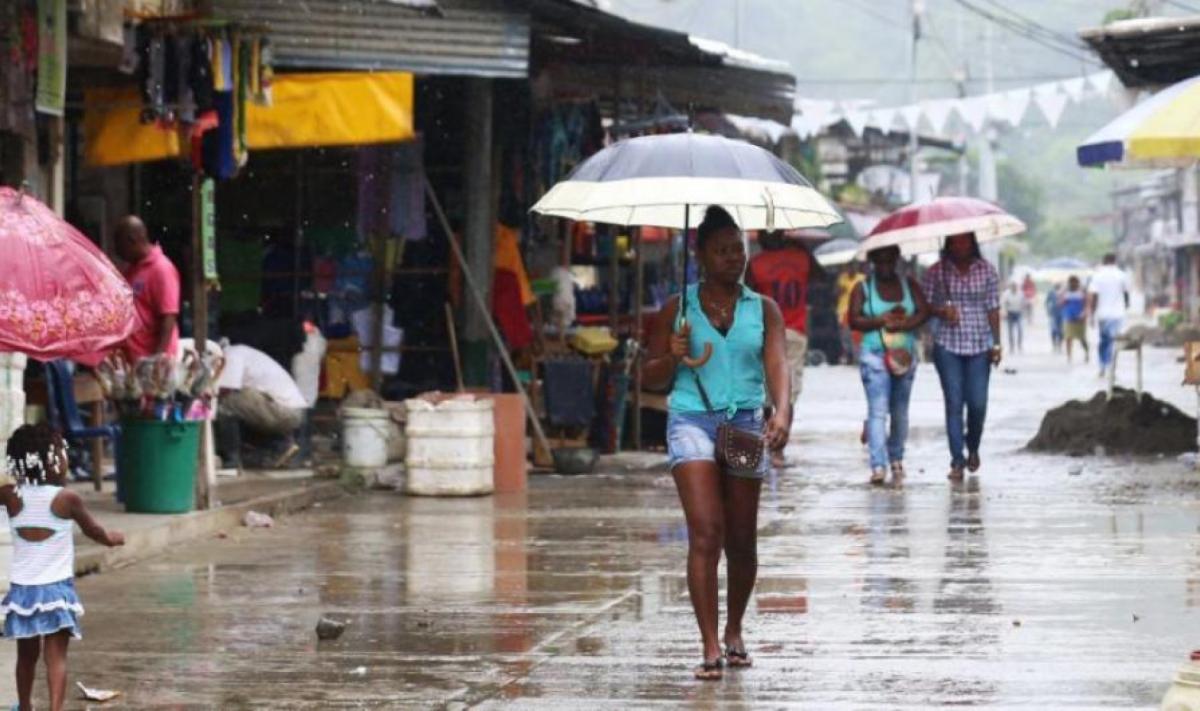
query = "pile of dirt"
x=1123 y=425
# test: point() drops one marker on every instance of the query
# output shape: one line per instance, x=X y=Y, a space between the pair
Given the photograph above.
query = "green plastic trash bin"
x=158 y=465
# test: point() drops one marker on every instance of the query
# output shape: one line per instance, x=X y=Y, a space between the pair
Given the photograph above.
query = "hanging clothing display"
x=391 y=191
x=240 y=263
x=508 y=258
x=564 y=136
x=509 y=311
x=198 y=80
x=18 y=66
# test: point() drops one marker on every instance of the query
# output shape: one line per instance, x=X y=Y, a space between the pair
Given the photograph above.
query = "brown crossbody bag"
x=738 y=451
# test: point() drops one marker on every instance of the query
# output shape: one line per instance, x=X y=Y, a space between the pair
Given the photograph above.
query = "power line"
x=1015 y=27
x=1031 y=31
x=1184 y=6
x=934 y=34
x=1036 y=27
x=874 y=13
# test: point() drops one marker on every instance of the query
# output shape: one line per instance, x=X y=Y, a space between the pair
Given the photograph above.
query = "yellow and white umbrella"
x=1162 y=131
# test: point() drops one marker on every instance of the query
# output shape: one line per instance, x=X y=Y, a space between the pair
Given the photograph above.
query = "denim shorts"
x=692 y=436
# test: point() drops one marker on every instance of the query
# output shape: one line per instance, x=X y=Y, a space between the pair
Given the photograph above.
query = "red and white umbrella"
x=60 y=297
x=922 y=227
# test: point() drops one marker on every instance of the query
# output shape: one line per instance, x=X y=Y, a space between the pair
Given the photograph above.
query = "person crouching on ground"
x=41 y=610
x=258 y=395
x=887 y=309
x=964 y=297
x=748 y=363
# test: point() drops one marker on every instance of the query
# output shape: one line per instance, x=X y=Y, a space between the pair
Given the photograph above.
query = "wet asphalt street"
x=1044 y=583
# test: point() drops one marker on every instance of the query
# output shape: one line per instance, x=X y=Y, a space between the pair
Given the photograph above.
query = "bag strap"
x=703 y=392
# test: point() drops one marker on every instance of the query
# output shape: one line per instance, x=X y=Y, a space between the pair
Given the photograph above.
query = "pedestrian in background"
x=1109 y=300
x=887 y=308
x=1054 y=317
x=782 y=271
x=41 y=610
x=1014 y=315
x=849 y=279
x=155 y=283
x=964 y=295
x=1073 y=312
x=1029 y=291
x=748 y=365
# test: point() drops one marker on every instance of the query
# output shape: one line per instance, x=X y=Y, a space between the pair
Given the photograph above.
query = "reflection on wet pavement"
x=1026 y=587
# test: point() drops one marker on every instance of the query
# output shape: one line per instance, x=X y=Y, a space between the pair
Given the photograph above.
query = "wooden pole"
x=458 y=373
x=204 y=461
x=614 y=283
x=639 y=298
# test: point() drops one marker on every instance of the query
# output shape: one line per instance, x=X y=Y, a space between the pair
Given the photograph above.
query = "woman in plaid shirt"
x=964 y=296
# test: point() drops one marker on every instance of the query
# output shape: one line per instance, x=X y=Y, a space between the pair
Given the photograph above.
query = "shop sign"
x=52 y=56
x=208 y=228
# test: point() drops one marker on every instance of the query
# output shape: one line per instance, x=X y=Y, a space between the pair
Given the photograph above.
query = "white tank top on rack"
x=41 y=562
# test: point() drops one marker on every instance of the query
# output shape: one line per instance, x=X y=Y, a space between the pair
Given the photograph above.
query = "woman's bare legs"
x=699 y=486
x=741 y=555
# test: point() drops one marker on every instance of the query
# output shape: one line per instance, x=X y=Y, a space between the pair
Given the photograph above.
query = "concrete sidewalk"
x=272 y=493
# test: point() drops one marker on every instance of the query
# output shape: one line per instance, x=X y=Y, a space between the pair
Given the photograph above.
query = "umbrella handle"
x=699 y=362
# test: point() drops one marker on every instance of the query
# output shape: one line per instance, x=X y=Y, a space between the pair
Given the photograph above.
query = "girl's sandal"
x=956 y=474
x=897 y=470
x=713 y=670
x=878 y=476
x=738 y=658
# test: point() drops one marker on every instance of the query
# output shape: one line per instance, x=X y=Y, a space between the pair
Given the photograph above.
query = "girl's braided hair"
x=32 y=453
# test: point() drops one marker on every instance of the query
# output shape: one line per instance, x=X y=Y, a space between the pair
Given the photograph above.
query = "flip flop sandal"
x=738 y=658
x=878 y=477
x=711 y=670
x=956 y=474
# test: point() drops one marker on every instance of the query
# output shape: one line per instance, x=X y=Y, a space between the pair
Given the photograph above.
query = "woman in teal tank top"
x=748 y=369
x=888 y=308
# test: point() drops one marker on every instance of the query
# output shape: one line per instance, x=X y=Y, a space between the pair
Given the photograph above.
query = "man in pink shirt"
x=155 y=283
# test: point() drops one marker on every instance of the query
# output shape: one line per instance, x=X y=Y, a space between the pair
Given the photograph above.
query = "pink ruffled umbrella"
x=60 y=297
x=922 y=227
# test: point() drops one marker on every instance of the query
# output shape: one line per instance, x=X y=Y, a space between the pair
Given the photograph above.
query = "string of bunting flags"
x=973 y=112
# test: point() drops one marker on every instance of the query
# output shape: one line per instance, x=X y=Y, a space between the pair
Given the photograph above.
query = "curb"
x=189 y=527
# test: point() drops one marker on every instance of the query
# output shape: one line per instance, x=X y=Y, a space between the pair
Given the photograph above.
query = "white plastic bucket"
x=12 y=392
x=365 y=437
x=1184 y=694
x=451 y=448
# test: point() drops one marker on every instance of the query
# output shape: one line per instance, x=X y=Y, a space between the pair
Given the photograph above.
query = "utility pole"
x=737 y=24
x=917 y=7
x=988 y=189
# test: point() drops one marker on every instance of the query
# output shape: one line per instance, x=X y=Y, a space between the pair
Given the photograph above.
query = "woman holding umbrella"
x=887 y=309
x=964 y=290
x=748 y=362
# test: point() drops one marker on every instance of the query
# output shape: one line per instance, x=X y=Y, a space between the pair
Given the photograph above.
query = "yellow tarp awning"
x=328 y=109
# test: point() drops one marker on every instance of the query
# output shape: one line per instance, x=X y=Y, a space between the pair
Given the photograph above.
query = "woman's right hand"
x=949 y=314
x=681 y=343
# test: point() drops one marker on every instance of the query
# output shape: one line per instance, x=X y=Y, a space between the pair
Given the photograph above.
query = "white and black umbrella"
x=655 y=181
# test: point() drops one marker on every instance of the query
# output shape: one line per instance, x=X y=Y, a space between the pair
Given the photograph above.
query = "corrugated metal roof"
x=447 y=37
x=1149 y=52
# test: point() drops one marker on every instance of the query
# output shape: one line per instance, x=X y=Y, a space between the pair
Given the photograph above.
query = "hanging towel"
x=508 y=310
x=569 y=396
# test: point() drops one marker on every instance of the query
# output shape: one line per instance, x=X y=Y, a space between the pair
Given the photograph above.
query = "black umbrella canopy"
x=686 y=155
